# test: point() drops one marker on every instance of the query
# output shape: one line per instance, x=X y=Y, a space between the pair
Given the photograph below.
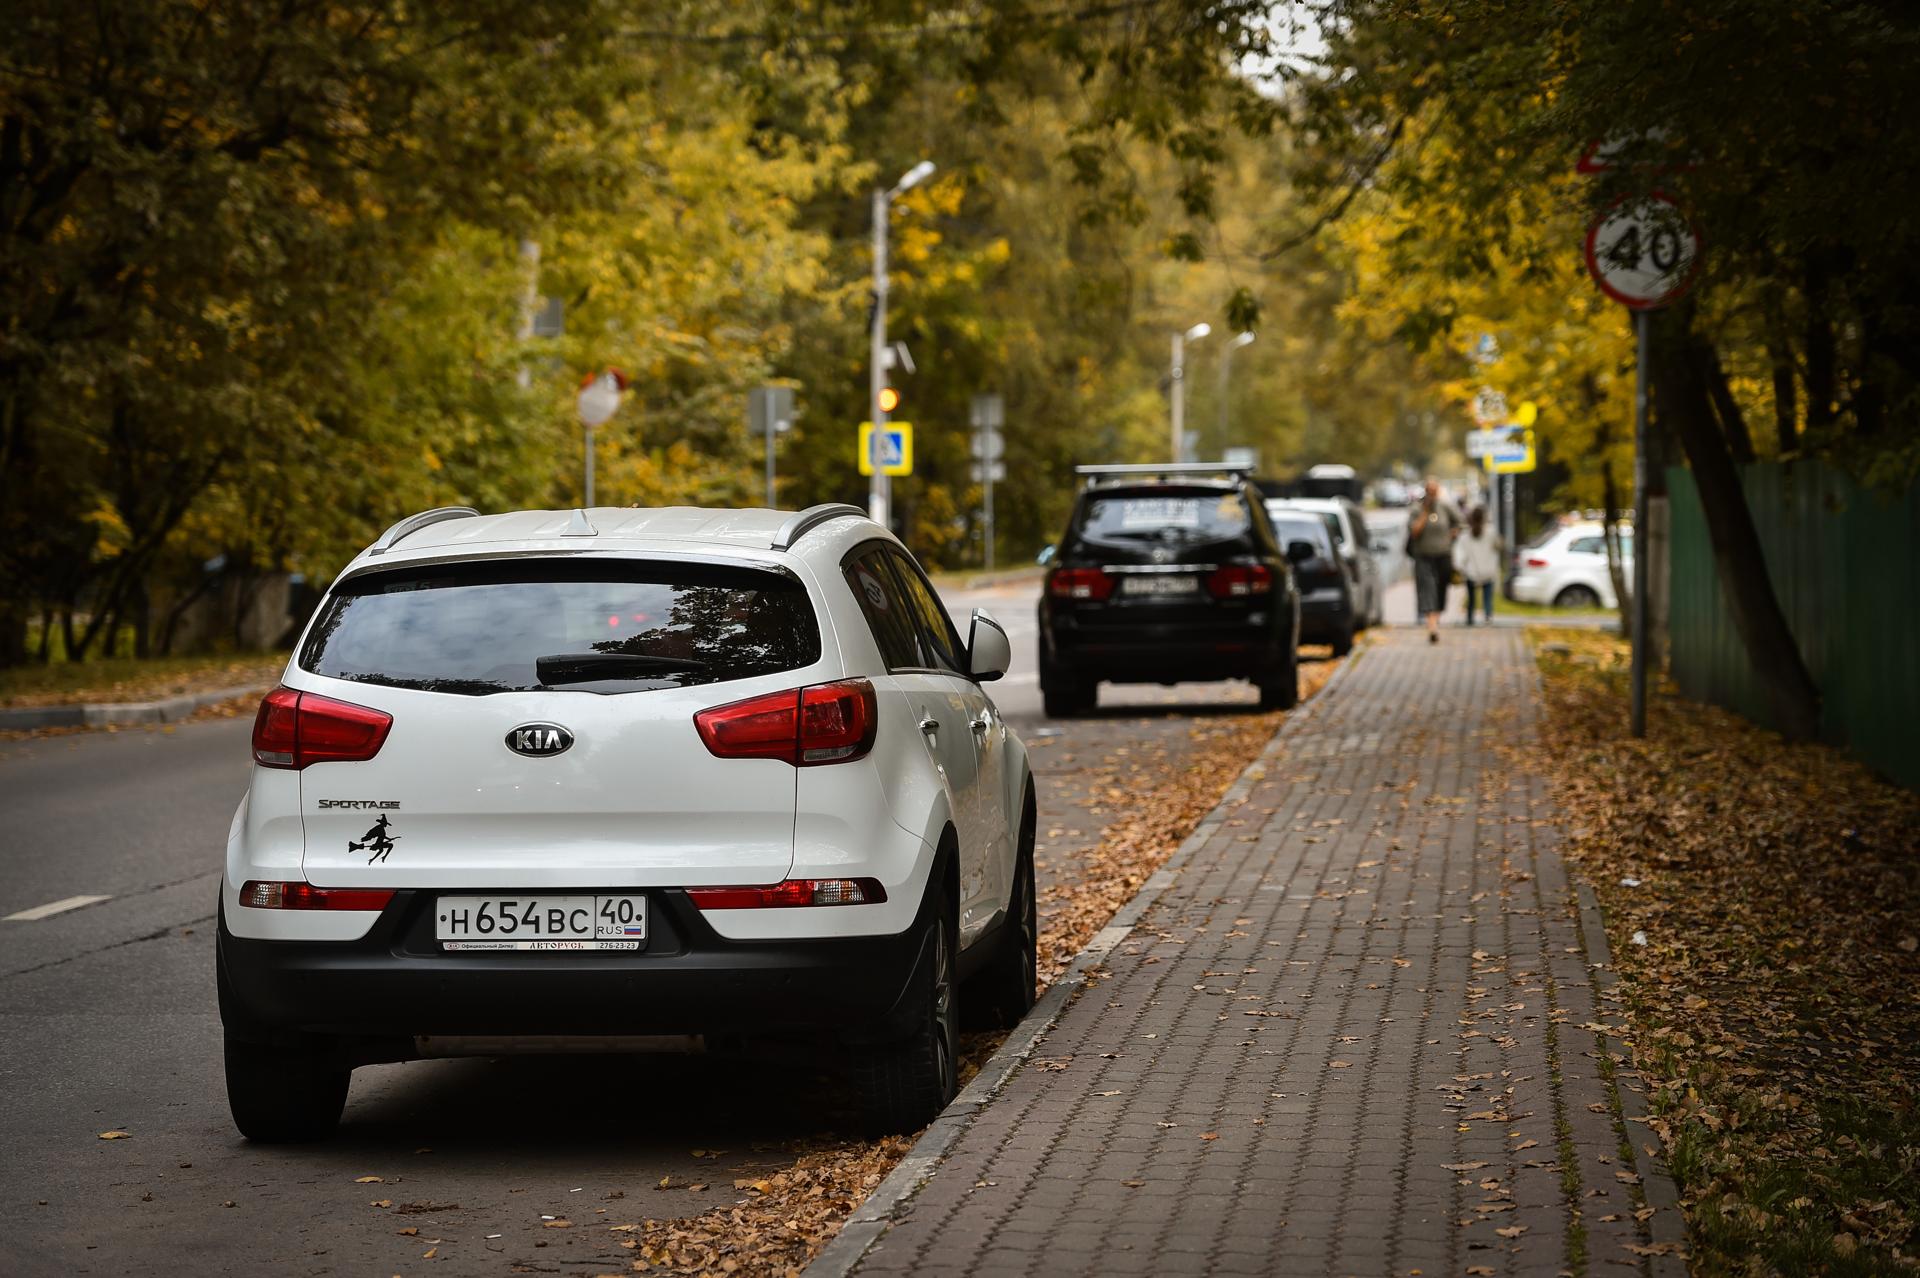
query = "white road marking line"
x=54 y=907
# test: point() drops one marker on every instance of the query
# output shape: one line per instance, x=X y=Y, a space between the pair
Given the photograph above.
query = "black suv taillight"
x=1079 y=583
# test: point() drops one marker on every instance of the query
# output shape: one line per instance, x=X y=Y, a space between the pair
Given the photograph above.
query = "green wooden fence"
x=1846 y=564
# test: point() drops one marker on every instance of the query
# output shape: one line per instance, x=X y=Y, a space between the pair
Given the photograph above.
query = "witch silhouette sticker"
x=376 y=841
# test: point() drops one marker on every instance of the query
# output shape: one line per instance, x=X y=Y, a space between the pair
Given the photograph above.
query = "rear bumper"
x=371 y=998
x=1142 y=651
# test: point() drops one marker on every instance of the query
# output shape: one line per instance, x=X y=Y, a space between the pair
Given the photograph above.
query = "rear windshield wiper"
x=585 y=667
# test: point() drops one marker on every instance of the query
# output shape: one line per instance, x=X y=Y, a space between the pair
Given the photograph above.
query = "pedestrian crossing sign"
x=891 y=447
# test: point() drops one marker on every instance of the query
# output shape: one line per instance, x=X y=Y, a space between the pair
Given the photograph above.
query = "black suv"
x=1167 y=574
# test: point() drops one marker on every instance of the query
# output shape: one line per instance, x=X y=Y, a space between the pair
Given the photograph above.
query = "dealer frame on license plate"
x=1159 y=585
x=539 y=921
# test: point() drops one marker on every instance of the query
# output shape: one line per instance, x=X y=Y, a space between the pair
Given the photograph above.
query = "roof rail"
x=1144 y=470
x=809 y=519
x=414 y=523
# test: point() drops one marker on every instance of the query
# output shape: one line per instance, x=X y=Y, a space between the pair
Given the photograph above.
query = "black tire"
x=903 y=1085
x=1577 y=596
x=1003 y=991
x=1063 y=698
x=1281 y=690
x=1343 y=642
x=282 y=1096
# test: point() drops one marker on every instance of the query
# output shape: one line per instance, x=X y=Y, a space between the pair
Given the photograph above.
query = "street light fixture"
x=1226 y=381
x=1180 y=341
x=880 y=488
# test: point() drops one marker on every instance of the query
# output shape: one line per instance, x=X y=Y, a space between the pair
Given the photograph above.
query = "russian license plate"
x=1158 y=585
x=540 y=922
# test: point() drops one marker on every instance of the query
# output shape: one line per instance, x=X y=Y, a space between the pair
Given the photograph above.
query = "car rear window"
x=578 y=625
x=1300 y=526
x=1191 y=516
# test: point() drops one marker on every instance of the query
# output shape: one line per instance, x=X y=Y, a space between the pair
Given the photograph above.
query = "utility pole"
x=987 y=414
x=880 y=487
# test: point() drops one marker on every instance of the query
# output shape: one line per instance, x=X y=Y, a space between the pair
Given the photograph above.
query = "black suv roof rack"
x=809 y=519
x=1160 y=470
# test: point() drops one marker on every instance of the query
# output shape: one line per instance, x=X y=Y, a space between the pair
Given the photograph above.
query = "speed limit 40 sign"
x=1643 y=251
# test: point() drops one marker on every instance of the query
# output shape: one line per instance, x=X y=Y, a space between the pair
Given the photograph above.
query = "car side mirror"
x=1300 y=551
x=1046 y=554
x=988 y=651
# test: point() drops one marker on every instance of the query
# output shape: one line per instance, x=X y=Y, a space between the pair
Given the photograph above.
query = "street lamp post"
x=1226 y=381
x=880 y=487
x=1180 y=341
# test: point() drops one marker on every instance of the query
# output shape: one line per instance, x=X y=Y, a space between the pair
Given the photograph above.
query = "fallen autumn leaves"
x=1772 y=1008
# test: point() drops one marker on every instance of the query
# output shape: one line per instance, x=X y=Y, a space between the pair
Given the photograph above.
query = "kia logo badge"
x=539 y=740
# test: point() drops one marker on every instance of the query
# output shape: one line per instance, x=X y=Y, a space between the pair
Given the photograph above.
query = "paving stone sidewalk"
x=1355 y=1035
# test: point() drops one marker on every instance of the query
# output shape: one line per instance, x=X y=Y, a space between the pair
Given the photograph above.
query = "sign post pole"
x=1638 y=671
x=1642 y=252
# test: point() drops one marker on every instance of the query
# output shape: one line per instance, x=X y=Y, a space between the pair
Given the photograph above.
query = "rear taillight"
x=257 y=895
x=294 y=729
x=824 y=723
x=1535 y=561
x=1079 y=583
x=790 y=892
x=1239 y=581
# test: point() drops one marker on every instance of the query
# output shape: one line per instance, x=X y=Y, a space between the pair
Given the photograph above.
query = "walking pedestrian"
x=1477 y=556
x=1430 y=534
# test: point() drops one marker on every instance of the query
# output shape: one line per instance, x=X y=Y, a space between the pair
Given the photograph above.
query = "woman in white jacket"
x=1476 y=555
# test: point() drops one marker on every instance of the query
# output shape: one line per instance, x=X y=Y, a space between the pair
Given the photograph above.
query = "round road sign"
x=1642 y=251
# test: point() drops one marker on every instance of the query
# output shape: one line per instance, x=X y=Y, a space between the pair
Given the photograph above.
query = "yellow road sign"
x=893 y=449
x=1515 y=457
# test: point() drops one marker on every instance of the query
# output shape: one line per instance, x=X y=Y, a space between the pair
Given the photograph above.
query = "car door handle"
x=981 y=723
x=930 y=725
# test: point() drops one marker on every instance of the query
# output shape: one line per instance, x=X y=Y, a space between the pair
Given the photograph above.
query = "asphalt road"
x=108 y=1023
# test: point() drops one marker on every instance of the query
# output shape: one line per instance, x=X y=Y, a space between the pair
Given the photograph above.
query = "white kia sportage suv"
x=581 y=778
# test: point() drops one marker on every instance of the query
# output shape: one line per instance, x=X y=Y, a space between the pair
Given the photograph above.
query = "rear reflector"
x=294 y=729
x=1535 y=561
x=1238 y=581
x=824 y=723
x=791 y=892
x=256 y=895
x=1079 y=583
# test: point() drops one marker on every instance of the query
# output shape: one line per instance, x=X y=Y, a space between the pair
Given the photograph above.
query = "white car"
x=1566 y=567
x=1348 y=525
x=578 y=780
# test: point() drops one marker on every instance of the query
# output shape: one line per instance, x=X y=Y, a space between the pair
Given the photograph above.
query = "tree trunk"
x=1820 y=353
x=1679 y=366
x=1610 y=538
x=1732 y=421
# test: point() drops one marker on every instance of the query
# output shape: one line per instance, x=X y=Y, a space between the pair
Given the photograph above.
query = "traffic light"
x=889 y=399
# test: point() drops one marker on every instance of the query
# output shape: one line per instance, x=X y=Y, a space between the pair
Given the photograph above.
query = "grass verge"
x=1763 y=907
x=119 y=679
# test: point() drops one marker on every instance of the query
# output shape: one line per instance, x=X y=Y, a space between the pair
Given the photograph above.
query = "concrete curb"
x=872 y=1218
x=1667 y=1224
x=124 y=713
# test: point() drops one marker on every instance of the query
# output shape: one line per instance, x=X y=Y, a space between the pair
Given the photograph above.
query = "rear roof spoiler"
x=809 y=519
x=414 y=523
x=1167 y=470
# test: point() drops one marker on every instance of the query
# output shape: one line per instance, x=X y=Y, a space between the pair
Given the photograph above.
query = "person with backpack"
x=1430 y=534
x=1476 y=556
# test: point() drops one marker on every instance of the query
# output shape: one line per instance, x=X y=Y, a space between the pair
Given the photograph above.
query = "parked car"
x=1566 y=567
x=1168 y=574
x=1391 y=492
x=1329 y=611
x=550 y=779
x=1348 y=524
